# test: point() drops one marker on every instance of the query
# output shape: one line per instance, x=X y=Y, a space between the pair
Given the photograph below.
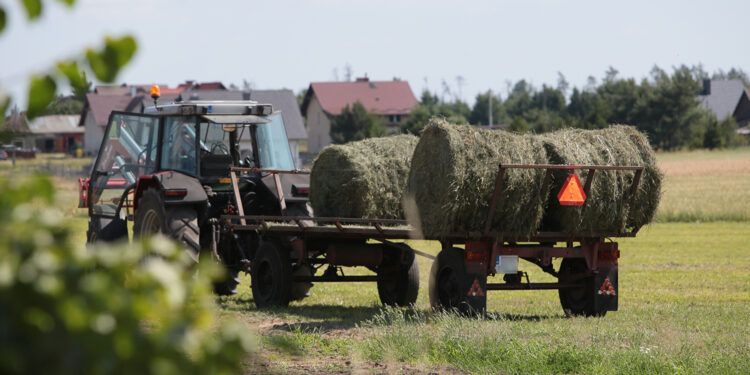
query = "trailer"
x=587 y=276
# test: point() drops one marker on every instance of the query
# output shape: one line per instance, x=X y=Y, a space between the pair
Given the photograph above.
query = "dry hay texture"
x=454 y=170
x=453 y=175
x=608 y=204
x=364 y=179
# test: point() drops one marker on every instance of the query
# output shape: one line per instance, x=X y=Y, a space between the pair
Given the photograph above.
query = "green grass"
x=684 y=302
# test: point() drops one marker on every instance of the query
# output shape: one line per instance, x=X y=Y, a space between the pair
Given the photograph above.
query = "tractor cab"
x=183 y=153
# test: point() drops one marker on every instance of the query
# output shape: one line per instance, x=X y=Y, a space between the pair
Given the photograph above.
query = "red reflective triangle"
x=476 y=289
x=571 y=193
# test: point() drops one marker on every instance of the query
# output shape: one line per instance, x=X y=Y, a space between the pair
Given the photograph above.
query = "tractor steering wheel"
x=221 y=147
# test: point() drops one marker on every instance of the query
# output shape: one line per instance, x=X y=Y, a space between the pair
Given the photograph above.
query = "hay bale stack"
x=364 y=179
x=607 y=207
x=453 y=174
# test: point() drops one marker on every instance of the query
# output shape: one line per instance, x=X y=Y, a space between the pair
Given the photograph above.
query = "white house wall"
x=318 y=127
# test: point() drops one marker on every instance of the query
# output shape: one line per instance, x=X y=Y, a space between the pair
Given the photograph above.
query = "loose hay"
x=453 y=175
x=608 y=205
x=364 y=179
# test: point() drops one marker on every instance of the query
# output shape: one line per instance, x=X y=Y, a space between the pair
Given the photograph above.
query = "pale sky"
x=290 y=43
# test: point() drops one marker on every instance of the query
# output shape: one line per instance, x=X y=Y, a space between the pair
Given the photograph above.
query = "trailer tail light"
x=609 y=251
x=477 y=252
x=175 y=193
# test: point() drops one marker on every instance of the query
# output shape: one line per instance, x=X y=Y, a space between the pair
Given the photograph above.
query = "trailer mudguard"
x=606 y=291
x=188 y=188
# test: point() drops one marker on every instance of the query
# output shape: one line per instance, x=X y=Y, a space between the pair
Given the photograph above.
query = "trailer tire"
x=398 y=280
x=179 y=222
x=577 y=301
x=447 y=280
x=271 y=275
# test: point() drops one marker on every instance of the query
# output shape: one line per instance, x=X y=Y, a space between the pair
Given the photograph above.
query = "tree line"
x=664 y=106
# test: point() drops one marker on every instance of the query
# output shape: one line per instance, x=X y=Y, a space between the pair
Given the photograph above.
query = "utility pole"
x=489 y=101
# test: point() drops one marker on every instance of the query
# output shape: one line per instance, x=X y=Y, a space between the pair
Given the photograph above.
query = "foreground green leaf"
x=33 y=8
x=108 y=62
x=41 y=94
x=71 y=71
x=3 y=19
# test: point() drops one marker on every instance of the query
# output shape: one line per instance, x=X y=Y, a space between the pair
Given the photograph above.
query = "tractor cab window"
x=179 y=148
x=128 y=151
x=214 y=145
x=273 y=145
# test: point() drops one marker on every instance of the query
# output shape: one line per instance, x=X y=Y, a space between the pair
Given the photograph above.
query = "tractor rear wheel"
x=447 y=279
x=271 y=275
x=398 y=278
x=577 y=301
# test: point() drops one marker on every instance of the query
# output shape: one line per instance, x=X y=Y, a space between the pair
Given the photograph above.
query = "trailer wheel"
x=180 y=222
x=398 y=279
x=271 y=275
x=577 y=301
x=447 y=277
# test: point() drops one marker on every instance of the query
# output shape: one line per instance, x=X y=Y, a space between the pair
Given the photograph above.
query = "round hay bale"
x=608 y=204
x=453 y=175
x=364 y=179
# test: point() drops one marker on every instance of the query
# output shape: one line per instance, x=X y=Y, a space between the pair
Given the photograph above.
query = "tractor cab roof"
x=213 y=109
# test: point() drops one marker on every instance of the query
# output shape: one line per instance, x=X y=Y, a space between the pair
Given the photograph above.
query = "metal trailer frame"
x=597 y=283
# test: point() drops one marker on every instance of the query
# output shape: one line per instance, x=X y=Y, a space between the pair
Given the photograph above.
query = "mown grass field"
x=684 y=301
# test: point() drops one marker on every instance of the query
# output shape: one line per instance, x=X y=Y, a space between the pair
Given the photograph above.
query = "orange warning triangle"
x=571 y=193
x=476 y=289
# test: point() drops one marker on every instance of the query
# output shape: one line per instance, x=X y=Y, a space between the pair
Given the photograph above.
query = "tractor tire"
x=577 y=301
x=398 y=279
x=447 y=281
x=271 y=275
x=179 y=222
x=106 y=230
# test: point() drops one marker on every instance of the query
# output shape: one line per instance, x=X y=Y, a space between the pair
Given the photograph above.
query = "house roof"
x=56 y=124
x=723 y=97
x=16 y=124
x=379 y=97
x=100 y=106
x=286 y=102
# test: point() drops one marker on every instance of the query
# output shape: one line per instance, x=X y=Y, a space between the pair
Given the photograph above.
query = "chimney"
x=132 y=90
x=363 y=79
x=706 y=87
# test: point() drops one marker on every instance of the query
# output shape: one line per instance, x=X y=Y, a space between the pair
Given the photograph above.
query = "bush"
x=109 y=310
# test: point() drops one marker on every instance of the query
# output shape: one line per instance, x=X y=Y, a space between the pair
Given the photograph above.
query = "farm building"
x=391 y=100
x=56 y=133
x=727 y=98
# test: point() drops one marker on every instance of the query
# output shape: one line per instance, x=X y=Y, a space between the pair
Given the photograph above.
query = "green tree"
x=480 y=112
x=418 y=118
x=64 y=105
x=354 y=124
x=519 y=125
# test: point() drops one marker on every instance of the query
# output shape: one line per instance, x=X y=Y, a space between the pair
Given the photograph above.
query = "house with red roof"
x=391 y=100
